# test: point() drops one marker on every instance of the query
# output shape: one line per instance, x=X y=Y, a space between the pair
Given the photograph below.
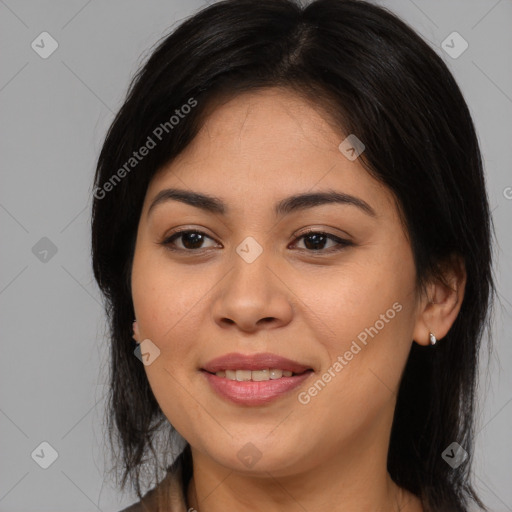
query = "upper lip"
x=237 y=361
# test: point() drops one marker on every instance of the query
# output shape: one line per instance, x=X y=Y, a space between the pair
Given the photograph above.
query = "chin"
x=259 y=455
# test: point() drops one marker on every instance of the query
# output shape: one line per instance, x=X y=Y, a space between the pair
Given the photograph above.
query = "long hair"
x=373 y=76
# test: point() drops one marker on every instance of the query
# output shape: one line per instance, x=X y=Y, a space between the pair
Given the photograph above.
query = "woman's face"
x=254 y=284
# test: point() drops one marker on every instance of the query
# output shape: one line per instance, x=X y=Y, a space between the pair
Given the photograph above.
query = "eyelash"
x=342 y=243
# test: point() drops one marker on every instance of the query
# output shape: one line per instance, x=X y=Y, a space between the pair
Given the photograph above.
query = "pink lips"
x=236 y=361
x=254 y=392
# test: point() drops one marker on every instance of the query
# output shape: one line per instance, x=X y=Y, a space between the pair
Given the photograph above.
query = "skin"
x=307 y=305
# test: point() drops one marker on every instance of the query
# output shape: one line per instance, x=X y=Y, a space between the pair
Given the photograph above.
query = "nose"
x=253 y=296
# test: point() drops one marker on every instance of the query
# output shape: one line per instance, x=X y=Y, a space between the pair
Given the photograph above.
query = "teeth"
x=242 y=375
x=276 y=374
x=256 y=375
x=259 y=375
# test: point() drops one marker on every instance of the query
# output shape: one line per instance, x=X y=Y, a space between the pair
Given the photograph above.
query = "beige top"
x=168 y=496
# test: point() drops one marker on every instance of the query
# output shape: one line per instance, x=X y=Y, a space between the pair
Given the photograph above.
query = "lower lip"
x=254 y=393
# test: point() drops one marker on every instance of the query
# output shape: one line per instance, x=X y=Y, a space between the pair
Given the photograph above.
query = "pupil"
x=190 y=237
x=316 y=239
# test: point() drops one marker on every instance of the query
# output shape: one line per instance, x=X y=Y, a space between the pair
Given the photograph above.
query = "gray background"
x=54 y=113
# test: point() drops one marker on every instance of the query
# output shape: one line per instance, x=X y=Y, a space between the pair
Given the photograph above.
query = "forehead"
x=264 y=145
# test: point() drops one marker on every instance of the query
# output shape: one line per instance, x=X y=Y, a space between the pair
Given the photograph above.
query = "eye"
x=192 y=239
x=314 y=241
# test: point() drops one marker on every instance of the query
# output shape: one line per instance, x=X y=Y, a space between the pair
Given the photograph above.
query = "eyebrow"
x=286 y=206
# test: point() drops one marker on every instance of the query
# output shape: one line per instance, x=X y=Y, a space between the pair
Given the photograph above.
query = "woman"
x=284 y=207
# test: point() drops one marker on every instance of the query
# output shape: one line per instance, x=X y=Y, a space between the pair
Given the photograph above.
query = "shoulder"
x=136 y=507
x=149 y=502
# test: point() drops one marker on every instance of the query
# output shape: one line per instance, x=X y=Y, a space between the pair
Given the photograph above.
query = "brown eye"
x=315 y=241
x=190 y=240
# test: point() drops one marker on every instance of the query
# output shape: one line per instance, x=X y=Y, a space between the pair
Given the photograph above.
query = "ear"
x=136 y=333
x=441 y=301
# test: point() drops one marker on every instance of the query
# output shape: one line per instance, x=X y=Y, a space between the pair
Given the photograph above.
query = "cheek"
x=167 y=297
x=366 y=310
x=345 y=301
x=167 y=301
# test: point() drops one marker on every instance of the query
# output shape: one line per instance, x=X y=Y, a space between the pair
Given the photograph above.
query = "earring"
x=433 y=339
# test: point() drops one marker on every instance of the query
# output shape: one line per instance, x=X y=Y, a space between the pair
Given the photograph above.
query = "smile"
x=255 y=375
x=254 y=379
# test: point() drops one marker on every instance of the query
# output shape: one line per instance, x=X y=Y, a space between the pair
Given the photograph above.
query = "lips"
x=254 y=380
x=254 y=362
